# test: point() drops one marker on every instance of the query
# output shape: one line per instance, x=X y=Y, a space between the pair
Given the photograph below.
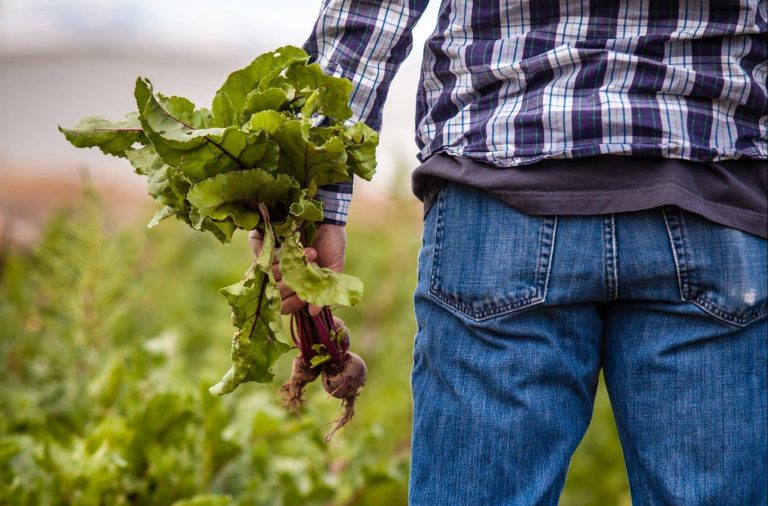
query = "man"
x=594 y=178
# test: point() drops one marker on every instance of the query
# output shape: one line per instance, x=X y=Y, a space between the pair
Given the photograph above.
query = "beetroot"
x=323 y=343
x=345 y=385
x=341 y=328
x=292 y=390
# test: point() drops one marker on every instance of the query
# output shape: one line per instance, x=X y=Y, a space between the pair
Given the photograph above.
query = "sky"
x=39 y=24
x=64 y=59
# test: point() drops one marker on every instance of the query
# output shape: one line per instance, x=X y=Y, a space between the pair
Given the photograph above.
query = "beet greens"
x=255 y=160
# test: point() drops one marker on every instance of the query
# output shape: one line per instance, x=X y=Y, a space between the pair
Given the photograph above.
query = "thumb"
x=256 y=241
x=330 y=243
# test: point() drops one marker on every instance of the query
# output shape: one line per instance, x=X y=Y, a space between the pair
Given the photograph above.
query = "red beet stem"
x=323 y=334
x=293 y=332
x=302 y=339
x=308 y=331
x=328 y=317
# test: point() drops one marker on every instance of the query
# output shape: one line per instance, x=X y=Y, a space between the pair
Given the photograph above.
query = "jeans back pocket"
x=721 y=269
x=488 y=258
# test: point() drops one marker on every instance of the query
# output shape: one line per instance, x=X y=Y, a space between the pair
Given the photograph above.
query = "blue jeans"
x=517 y=314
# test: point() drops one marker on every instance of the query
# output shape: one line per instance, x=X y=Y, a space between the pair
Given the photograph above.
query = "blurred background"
x=111 y=333
x=64 y=60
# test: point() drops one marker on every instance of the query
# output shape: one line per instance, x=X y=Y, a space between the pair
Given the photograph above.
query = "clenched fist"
x=327 y=250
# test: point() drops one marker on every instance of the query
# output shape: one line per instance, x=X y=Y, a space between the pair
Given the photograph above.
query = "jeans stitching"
x=607 y=259
x=438 y=235
x=673 y=247
x=541 y=274
x=687 y=292
x=609 y=249
x=539 y=260
x=702 y=302
x=615 y=259
x=550 y=255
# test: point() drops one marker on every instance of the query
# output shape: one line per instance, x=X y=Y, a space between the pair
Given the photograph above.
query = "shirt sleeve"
x=335 y=199
x=364 y=41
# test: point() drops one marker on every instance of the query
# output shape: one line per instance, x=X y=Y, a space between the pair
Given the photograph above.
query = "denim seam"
x=435 y=269
x=615 y=258
x=541 y=273
x=674 y=253
x=537 y=273
x=551 y=255
x=610 y=258
x=702 y=302
x=680 y=253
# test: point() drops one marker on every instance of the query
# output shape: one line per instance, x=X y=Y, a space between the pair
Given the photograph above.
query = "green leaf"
x=271 y=99
x=169 y=188
x=160 y=215
x=197 y=118
x=164 y=183
x=160 y=189
x=311 y=165
x=145 y=160
x=180 y=186
x=319 y=360
x=183 y=109
x=112 y=138
x=222 y=230
x=170 y=125
x=260 y=151
x=240 y=83
x=264 y=260
x=311 y=105
x=267 y=121
x=333 y=93
x=307 y=209
x=224 y=113
x=361 y=142
x=313 y=284
x=256 y=346
x=236 y=195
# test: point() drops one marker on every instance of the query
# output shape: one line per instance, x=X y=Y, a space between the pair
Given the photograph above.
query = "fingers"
x=290 y=301
x=311 y=255
x=292 y=304
x=330 y=243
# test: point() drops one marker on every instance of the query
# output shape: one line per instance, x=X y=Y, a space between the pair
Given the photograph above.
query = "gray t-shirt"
x=732 y=193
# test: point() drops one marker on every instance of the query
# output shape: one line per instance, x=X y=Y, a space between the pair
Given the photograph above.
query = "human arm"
x=365 y=42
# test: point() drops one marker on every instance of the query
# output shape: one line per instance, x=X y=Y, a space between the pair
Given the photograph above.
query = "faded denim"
x=516 y=316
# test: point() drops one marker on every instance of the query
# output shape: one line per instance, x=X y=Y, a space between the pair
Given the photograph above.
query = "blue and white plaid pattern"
x=512 y=83
x=335 y=199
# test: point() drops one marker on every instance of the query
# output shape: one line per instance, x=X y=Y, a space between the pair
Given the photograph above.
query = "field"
x=110 y=337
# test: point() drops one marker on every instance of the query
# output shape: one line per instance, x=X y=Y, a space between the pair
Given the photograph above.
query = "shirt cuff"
x=335 y=198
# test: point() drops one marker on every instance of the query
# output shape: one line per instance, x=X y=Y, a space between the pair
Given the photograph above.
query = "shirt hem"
x=673 y=151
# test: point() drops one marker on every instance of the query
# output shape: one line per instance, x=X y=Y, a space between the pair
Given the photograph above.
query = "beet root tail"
x=348 y=406
x=292 y=391
x=291 y=395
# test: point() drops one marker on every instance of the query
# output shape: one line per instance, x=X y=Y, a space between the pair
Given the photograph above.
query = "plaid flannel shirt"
x=512 y=83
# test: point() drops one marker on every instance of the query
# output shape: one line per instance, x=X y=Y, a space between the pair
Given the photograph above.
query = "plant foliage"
x=254 y=160
x=102 y=389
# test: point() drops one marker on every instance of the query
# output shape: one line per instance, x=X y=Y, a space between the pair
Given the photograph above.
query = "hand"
x=327 y=250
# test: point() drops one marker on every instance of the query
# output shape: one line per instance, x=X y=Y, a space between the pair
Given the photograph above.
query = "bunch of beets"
x=277 y=130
